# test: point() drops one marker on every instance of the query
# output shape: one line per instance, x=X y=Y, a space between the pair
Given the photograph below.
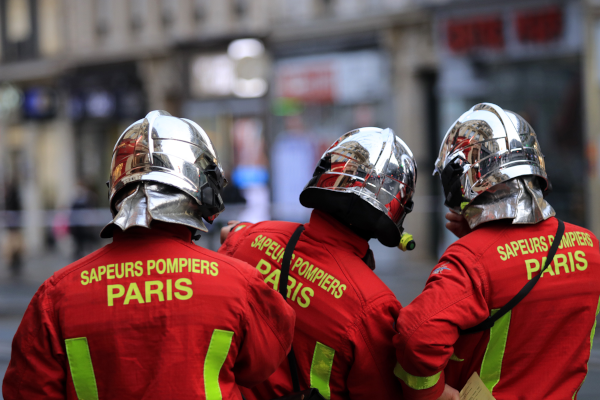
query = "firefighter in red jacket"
x=152 y=315
x=361 y=189
x=494 y=179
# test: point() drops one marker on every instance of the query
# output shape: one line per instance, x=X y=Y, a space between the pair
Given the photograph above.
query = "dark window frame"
x=27 y=49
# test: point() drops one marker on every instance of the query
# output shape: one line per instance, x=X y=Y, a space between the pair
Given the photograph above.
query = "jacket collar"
x=158 y=229
x=326 y=229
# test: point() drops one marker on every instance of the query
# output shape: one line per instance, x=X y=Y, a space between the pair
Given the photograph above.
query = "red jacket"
x=149 y=316
x=537 y=351
x=345 y=313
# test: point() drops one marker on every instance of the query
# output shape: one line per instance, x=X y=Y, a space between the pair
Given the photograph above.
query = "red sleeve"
x=268 y=332
x=453 y=299
x=372 y=373
x=234 y=238
x=37 y=368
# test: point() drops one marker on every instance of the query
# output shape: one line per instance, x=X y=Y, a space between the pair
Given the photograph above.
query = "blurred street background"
x=273 y=83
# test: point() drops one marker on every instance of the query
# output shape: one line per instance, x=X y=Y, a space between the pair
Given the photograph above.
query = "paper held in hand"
x=475 y=389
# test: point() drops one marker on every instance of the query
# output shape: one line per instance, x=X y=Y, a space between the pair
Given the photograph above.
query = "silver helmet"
x=167 y=169
x=492 y=151
x=366 y=179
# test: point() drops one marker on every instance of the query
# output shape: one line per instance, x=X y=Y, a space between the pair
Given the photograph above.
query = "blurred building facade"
x=274 y=82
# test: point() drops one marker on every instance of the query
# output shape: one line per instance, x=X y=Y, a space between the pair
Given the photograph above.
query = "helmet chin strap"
x=408 y=207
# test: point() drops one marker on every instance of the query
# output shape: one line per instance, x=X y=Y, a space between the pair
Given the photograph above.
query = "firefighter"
x=152 y=315
x=494 y=179
x=362 y=188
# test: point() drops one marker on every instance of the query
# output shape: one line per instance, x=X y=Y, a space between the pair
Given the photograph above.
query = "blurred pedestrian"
x=515 y=299
x=152 y=315
x=83 y=234
x=293 y=154
x=232 y=194
x=362 y=188
x=14 y=242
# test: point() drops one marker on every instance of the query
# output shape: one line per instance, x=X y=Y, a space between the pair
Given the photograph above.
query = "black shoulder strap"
x=287 y=259
x=489 y=322
x=283 y=280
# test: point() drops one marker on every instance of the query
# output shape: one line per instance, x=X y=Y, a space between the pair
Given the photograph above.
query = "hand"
x=457 y=224
x=226 y=229
x=449 y=394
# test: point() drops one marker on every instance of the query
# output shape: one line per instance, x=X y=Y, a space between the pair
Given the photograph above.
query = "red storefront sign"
x=309 y=82
x=539 y=26
x=491 y=31
x=478 y=32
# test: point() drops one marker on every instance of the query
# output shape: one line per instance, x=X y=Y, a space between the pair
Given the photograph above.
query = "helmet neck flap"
x=152 y=201
x=519 y=199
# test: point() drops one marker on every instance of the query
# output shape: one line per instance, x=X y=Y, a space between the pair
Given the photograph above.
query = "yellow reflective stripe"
x=320 y=369
x=82 y=370
x=416 y=382
x=220 y=342
x=491 y=366
x=592 y=333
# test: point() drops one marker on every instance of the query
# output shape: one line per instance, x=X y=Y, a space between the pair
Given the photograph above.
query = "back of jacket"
x=149 y=316
x=540 y=349
x=345 y=314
